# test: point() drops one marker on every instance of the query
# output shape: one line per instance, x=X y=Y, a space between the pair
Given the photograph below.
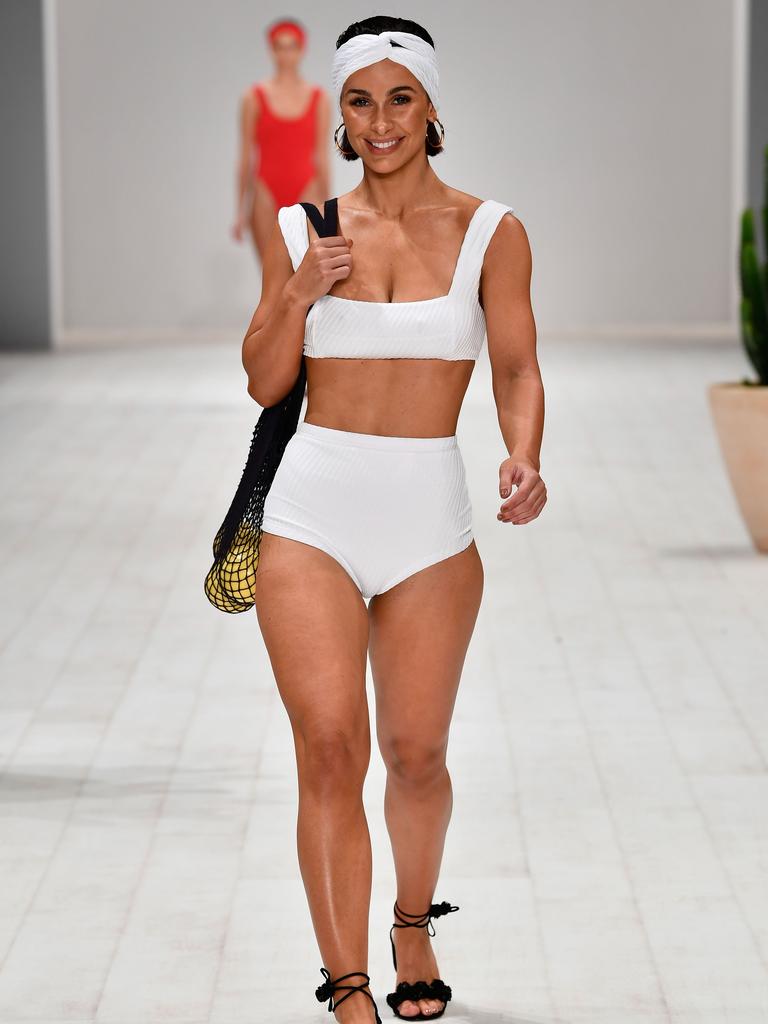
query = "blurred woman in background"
x=284 y=125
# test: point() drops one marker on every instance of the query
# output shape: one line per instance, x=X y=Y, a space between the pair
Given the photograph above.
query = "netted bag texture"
x=230 y=580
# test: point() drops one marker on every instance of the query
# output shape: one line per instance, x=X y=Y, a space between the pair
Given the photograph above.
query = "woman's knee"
x=333 y=759
x=414 y=761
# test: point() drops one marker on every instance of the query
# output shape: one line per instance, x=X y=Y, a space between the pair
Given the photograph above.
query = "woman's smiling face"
x=385 y=111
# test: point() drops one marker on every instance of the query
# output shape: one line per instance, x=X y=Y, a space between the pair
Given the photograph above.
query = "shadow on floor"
x=123 y=782
x=463 y=1014
x=697 y=552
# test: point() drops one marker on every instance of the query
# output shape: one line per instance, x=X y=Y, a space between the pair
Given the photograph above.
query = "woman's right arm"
x=274 y=341
x=244 y=173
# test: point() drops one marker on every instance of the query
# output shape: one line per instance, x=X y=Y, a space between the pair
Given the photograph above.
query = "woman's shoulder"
x=250 y=95
x=489 y=203
x=292 y=221
x=291 y=217
x=506 y=240
x=469 y=208
x=494 y=230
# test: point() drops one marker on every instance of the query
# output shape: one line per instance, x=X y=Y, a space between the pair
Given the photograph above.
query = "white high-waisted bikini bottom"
x=384 y=507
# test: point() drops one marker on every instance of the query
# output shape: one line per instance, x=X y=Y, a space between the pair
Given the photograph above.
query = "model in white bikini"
x=367 y=549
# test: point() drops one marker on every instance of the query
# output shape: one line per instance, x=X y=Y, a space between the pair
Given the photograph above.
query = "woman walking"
x=284 y=125
x=370 y=503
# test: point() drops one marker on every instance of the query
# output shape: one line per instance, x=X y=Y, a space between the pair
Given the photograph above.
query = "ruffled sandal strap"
x=329 y=986
x=420 y=921
x=435 y=989
x=423 y=920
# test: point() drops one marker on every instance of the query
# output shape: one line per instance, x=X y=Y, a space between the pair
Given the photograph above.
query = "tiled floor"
x=609 y=844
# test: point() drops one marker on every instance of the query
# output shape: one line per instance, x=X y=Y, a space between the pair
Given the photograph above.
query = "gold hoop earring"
x=442 y=132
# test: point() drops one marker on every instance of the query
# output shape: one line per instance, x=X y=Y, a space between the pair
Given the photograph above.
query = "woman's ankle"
x=358 y=1009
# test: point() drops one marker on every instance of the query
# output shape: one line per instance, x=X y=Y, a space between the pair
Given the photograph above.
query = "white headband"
x=413 y=53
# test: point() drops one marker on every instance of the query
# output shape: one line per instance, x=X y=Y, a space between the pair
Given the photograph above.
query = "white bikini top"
x=450 y=326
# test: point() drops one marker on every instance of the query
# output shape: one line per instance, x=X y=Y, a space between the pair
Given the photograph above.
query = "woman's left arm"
x=517 y=386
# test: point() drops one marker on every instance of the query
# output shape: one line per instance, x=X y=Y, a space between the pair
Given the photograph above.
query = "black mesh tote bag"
x=230 y=580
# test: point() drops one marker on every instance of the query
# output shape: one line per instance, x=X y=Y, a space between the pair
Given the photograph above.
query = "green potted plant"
x=740 y=408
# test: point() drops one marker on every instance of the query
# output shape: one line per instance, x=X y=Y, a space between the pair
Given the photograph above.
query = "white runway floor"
x=609 y=841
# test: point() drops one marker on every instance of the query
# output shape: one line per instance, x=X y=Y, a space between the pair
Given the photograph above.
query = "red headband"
x=286 y=26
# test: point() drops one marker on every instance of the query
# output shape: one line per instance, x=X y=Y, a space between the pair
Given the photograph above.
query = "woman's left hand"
x=529 y=498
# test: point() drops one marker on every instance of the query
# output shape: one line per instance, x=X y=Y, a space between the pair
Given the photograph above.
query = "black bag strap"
x=326 y=223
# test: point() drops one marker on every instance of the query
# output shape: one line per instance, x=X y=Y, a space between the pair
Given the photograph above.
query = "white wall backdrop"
x=609 y=125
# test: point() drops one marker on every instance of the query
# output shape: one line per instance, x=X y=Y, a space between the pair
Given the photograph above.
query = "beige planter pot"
x=740 y=413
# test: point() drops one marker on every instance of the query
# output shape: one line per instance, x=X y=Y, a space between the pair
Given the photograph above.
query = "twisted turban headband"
x=414 y=53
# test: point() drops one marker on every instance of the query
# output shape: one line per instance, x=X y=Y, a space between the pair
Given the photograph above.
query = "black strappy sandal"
x=326 y=990
x=435 y=989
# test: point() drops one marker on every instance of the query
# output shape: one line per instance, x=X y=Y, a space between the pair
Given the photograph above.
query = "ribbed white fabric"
x=384 y=507
x=450 y=326
x=404 y=48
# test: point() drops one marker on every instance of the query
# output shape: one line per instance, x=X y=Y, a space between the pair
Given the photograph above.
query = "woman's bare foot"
x=415 y=960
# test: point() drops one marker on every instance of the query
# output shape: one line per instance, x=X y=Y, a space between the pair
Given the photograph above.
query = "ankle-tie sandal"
x=326 y=990
x=435 y=989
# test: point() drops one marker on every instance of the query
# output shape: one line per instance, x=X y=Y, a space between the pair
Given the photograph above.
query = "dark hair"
x=383 y=23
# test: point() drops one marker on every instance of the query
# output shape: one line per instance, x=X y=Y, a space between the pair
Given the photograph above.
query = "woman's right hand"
x=326 y=261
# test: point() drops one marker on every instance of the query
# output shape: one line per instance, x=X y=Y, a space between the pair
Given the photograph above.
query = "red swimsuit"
x=286 y=150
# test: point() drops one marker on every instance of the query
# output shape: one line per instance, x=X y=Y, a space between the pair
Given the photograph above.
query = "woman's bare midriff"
x=397 y=397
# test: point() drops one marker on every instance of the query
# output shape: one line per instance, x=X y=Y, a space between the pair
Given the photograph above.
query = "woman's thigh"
x=420 y=630
x=262 y=215
x=315 y=628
